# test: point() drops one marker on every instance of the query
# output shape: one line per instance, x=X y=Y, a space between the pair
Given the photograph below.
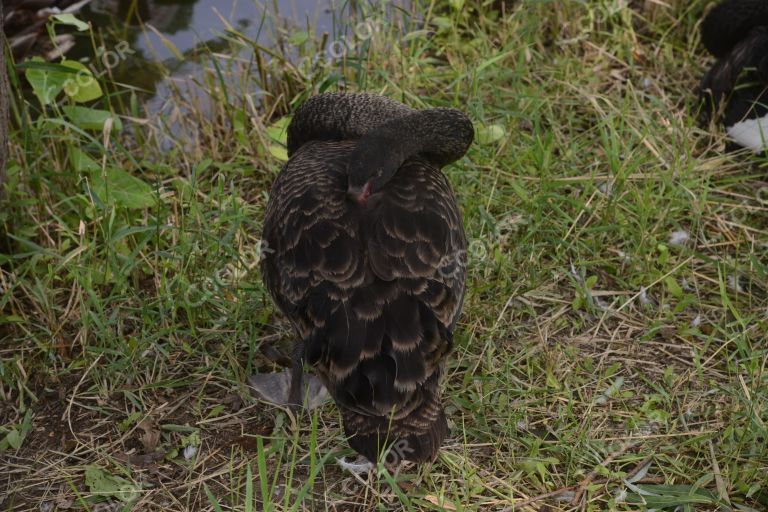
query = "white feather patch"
x=751 y=133
x=679 y=238
x=190 y=451
x=359 y=466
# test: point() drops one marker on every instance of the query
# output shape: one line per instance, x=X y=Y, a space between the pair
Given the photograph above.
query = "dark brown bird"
x=735 y=89
x=365 y=255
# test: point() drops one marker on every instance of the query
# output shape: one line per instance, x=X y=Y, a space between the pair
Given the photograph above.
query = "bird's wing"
x=389 y=339
x=375 y=292
x=311 y=252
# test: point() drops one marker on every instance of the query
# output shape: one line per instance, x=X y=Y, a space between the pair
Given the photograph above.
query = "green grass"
x=594 y=358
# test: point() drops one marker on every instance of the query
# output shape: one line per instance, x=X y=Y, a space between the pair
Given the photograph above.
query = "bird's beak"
x=359 y=194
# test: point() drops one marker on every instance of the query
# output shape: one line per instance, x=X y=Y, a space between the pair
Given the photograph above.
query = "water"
x=165 y=49
x=152 y=32
x=188 y=23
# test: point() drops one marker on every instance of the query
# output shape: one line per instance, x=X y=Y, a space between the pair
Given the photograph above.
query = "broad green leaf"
x=520 y=191
x=81 y=161
x=669 y=496
x=129 y=422
x=70 y=19
x=124 y=189
x=552 y=381
x=673 y=287
x=104 y=484
x=46 y=82
x=212 y=499
x=15 y=436
x=663 y=254
x=216 y=411
x=490 y=134
x=278 y=152
x=753 y=490
x=202 y=166
x=278 y=131
x=91 y=118
x=26 y=424
x=240 y=127
x=14 y=439
x=192 y=439
x=442 y=22
x=537 y=466
x=83 y=86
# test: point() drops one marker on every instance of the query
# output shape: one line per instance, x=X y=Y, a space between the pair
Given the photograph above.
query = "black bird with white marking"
x=735 y=89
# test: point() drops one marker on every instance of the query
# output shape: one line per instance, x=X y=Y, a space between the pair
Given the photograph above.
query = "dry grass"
x=593 y=351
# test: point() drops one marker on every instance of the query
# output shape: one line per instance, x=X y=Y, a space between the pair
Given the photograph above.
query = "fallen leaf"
x=488 y=134
x=151 y=436
x=233 y=401
x=440 y=502
x=64 y=502
x=105 y=484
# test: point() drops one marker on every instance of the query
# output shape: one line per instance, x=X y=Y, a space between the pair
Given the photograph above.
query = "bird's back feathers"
x=374 y=289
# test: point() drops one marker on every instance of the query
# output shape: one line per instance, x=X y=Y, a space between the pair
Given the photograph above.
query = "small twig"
x=639 y=467
x=561 y=490
x=525 y=503
x=722 y=490
x=593 y=474
x=67 y=412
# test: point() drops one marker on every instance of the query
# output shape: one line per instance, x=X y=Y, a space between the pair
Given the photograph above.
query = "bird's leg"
x=297 y=372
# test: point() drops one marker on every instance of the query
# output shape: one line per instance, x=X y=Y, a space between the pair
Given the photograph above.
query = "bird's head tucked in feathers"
x=437 y=135
x=371 y=165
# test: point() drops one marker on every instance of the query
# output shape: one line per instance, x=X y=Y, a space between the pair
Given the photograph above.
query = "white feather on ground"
x=359 y=466
x=679 y=238
x=751 y=133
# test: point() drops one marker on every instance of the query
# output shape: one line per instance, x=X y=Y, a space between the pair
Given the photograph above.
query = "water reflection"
x=174 y=44
x=171 y=32
x=168 y=17
x=168 y=37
